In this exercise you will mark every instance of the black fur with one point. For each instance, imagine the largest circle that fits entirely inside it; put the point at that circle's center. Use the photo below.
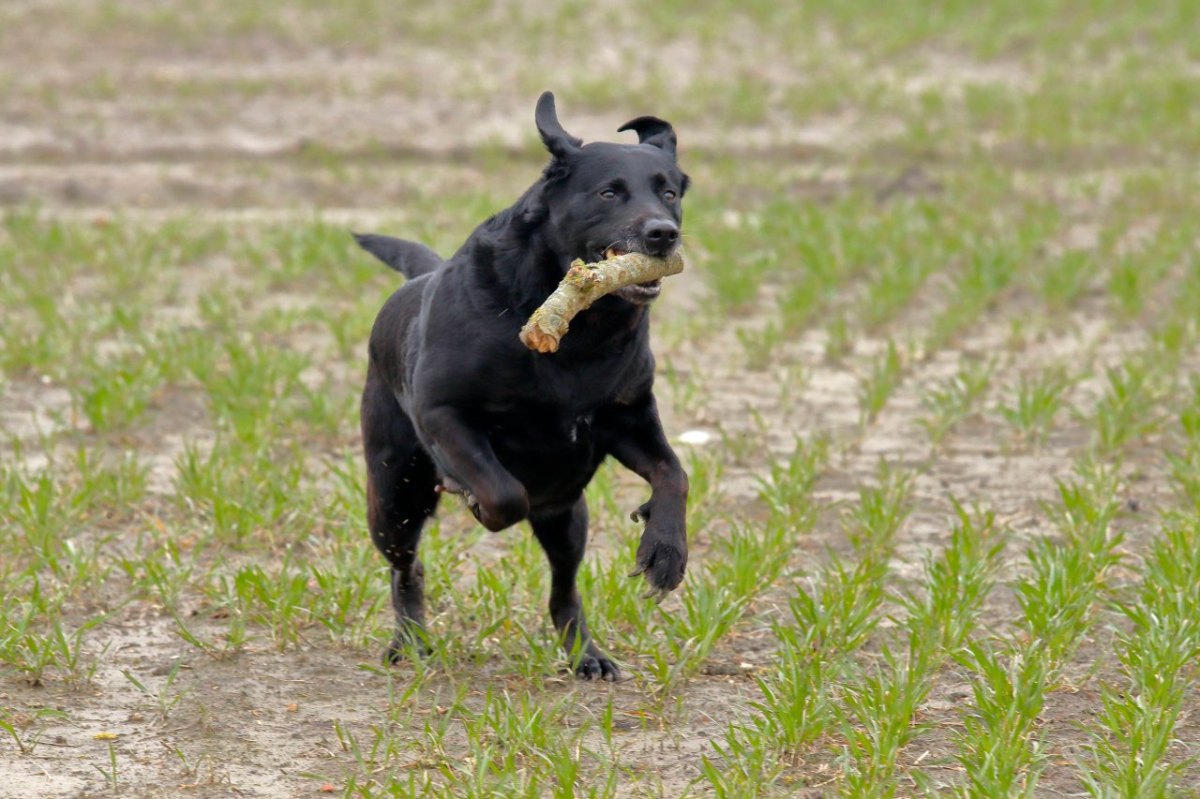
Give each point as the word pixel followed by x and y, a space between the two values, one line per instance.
pixel 454 402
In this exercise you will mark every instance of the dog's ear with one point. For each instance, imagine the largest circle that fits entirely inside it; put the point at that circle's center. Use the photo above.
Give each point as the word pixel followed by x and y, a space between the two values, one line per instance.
pixel 653 131
pixel 560 143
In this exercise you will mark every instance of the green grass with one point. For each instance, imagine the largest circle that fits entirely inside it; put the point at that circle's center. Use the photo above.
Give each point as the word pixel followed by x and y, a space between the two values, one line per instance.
pixel 999 748
pixel 1035 403
pixel 250 486
pixel 949 402
pixel 877 385
pixel 1064 280
pixel 942 322
pixel 956 584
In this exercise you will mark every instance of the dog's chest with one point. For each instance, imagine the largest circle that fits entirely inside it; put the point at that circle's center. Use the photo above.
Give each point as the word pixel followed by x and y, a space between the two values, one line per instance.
pixel 542 428
pixel 546 420
pixel 576 390
pixel 582 422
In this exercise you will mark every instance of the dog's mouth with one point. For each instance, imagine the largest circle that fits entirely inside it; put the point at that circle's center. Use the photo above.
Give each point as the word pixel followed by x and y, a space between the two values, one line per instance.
pixel 640 293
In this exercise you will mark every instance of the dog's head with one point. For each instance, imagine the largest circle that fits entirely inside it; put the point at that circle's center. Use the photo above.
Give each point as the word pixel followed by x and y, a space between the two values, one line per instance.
pixel 603 199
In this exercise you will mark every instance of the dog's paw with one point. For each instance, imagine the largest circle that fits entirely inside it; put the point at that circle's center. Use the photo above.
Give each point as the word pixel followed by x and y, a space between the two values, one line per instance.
pixel 597 667
pixel 663 562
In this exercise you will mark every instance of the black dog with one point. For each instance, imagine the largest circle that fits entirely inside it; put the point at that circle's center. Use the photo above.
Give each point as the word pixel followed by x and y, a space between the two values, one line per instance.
pixel 454 402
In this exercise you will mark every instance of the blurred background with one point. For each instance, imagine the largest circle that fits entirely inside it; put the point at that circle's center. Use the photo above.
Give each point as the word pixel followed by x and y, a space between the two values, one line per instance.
pixel 371 104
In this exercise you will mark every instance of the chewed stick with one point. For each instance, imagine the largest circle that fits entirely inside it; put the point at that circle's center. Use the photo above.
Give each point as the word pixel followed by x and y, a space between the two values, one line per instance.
pixel 583 285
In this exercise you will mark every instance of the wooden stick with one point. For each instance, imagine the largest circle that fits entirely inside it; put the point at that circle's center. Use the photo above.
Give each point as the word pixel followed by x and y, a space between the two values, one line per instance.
pixel 583 285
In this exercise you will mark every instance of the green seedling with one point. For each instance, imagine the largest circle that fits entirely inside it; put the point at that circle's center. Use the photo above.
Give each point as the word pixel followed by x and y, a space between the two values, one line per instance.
pixel 796 707
pixel 744 446
pixel 893 288
pixel 242 489
pixel 110 774
pixel 1189 416
pixel 909 238
pixel 107 486
pixel 36 638
pixel 684 388
pixel 881 510
pixel 787 488
pixel 46 507
pixel 1126 412
pixel 163 576
pixel 1131 753
pixel 247 393
pixel 743 769
pixel 877 386
pixel 988 272
pixel 1059 596
pixel 877 719
pixel 798 304
pixel 37 507
pixel 949 402
pixel 838 339
pixel 278 601
pixel 13 724
pixel 164 698
pixel 956 584
pixel 283 255
pixel 1058 599
pixel 1086 507
pixel 1000 747
pixel 751 560
pixel 618 615
pixel 1174 338
pixel 736 279
pixel 829 624
pixel 516 745
pixel 193 766
pixel 1065 279
pixel 117 394
pixel 1185 475
pixel 706 492
pixel 709 611
pixel 762 345
pixel 790 381
pixel 1036 403
pixel 378 755
pixel 1129 282
pixel 1131 756
pixel 346 596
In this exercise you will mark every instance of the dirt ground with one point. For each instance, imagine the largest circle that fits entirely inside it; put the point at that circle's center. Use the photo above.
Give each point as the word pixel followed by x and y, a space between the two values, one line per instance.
pixel 144 120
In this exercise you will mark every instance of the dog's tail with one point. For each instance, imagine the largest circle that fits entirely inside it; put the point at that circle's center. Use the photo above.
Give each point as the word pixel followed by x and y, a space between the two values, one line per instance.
pixel 407 257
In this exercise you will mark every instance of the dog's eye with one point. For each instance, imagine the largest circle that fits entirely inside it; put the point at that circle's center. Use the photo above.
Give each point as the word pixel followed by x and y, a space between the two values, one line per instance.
pixel 669 195
pixel 607 194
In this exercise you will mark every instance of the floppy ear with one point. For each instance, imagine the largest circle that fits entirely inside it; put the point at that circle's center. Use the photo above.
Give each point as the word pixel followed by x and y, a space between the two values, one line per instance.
pixel 652 131
pixel 560 143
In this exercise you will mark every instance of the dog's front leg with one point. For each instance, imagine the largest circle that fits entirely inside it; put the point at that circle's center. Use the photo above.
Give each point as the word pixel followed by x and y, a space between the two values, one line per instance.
pixel 465 456
pixel 642 447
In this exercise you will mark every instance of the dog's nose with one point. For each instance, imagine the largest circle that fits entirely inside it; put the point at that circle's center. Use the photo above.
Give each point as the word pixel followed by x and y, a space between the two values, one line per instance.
pixel 660 235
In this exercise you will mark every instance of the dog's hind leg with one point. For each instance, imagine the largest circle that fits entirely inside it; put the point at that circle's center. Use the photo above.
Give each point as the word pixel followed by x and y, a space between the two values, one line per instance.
pixel 563 534
pixel 401 495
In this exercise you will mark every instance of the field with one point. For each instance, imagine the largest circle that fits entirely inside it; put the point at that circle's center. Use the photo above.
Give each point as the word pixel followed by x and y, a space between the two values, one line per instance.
pixel 940 326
